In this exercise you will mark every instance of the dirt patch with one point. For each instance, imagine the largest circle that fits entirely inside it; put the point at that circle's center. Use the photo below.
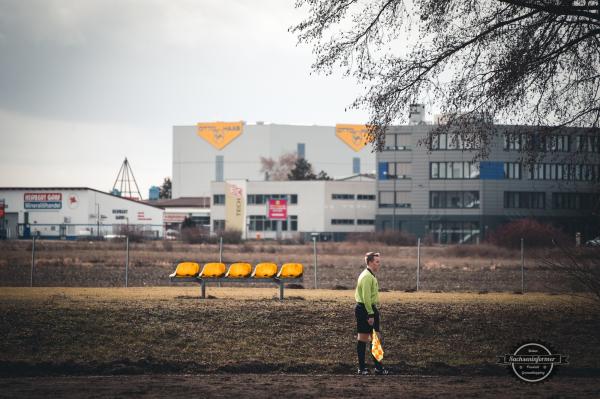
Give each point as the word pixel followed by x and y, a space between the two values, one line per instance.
pixel 255 386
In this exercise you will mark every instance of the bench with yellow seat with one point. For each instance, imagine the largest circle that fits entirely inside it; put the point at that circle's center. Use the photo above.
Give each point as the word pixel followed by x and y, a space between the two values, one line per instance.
pixel 239 272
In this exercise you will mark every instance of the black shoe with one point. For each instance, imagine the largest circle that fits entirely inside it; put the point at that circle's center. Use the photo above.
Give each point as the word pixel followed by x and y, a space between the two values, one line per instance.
pixel 363 372
pixel 382 371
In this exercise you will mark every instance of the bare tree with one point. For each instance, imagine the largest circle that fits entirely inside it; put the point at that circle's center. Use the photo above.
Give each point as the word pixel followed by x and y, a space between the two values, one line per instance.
pixel 581 267
pixel 531 62
pixel 278 170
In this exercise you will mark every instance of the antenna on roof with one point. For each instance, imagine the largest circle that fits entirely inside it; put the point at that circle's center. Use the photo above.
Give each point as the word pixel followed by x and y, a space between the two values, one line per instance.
pixel 122 186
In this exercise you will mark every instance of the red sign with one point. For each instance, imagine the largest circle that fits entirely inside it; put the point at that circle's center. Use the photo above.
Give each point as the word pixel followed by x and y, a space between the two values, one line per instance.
pixel 278 209
pixel 1 209
pixel 42 197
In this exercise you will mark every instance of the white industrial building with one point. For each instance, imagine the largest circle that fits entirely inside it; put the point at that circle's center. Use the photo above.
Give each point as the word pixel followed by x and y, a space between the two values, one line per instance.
pixel 330 208
pixel 222 151
pixel 73 212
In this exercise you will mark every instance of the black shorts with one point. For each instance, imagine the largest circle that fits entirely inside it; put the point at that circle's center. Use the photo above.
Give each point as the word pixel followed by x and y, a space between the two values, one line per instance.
pixel 362 324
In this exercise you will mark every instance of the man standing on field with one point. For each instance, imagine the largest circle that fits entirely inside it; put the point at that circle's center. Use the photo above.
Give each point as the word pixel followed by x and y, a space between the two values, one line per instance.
pixel 367 315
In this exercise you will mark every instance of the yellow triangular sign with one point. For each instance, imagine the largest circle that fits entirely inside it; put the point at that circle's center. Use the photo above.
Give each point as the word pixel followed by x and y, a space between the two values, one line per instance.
pixel 219 134
pixel 376 348
pixel 355 136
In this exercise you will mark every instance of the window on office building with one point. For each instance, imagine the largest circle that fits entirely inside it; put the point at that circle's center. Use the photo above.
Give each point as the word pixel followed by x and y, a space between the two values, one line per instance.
pixel 365 197
pixel 259 199
pixel 512 170
pixel 397 142
pixel 588 143
pixel 453 170
pixel 575 201
pixel 558 143
pixel 342 196
pixel 399 199
pixel 454 199
pixel 219 199
pixel 557 171
pixel 524 200
pixel 399 170
pixel 445 141
pixel 454 232
pixel 342 221
pixel 365 222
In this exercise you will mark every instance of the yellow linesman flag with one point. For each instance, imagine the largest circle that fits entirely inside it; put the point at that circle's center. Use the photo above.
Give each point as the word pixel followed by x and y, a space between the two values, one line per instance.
pixel 376 348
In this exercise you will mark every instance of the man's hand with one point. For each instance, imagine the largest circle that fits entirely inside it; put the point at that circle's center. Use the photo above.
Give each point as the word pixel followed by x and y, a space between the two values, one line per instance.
pixel 371 321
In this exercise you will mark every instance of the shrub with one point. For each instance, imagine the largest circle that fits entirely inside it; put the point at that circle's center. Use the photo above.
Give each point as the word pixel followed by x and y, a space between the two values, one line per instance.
pixel 232 236
pixel 482 251
pixel 534 233
pixel 194 235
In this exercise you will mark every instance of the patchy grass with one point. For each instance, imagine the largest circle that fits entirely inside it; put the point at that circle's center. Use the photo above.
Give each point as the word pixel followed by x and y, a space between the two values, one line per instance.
pixel 99 330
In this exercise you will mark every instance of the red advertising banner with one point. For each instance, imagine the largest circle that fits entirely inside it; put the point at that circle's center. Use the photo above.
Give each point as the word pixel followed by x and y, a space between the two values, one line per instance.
pixel 278 209
pixel 1 209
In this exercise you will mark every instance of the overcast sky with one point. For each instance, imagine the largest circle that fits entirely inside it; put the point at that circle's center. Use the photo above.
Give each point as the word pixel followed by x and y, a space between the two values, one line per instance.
pixel 86 83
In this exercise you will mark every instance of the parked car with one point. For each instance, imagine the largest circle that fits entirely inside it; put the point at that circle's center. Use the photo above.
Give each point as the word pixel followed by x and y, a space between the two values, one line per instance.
pixel 171 235
pixel 593 243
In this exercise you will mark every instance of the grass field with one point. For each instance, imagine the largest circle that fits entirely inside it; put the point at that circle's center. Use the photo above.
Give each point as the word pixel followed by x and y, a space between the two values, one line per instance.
pixel 139 330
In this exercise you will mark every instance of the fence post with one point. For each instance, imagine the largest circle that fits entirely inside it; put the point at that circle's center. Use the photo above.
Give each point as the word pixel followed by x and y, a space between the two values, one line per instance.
pixel 127 261
pixel 32 262
pixel 522 266
pixel 220 256
pixel 418 260
pixel 315 253
pixel 220 249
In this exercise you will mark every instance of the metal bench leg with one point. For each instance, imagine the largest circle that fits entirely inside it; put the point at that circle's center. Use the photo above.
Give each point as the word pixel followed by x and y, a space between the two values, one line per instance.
pixel 203 289
pixel 281 290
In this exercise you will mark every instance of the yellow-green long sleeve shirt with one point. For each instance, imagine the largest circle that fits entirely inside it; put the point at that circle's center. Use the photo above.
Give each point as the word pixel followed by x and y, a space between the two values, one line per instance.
pixel 367 290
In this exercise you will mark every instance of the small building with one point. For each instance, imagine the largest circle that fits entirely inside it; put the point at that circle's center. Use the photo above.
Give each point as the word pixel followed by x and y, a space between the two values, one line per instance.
pixel 74 212
pixel 197 209
pixel 295 209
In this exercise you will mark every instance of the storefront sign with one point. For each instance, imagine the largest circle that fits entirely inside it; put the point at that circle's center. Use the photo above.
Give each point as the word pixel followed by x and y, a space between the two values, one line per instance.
pixel 278 209
pixel 174 217
pixel 42 200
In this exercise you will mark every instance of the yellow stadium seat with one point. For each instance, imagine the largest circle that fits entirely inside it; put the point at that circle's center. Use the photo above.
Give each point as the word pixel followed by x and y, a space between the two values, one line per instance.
pixel 239 270
pixel 290 270
pixel 213 270
pixel 186 269
pixel 265 270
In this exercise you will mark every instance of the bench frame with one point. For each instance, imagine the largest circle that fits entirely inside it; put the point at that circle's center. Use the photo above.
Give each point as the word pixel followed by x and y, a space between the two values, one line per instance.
pixel 203 281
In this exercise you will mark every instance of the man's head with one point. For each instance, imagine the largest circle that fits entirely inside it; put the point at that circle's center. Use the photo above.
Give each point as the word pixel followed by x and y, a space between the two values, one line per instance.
pixel 372 261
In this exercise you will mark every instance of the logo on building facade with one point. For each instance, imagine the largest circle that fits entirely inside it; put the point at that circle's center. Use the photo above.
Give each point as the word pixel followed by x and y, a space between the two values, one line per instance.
pixel 355 136
pixel 73 201
pixel 219 134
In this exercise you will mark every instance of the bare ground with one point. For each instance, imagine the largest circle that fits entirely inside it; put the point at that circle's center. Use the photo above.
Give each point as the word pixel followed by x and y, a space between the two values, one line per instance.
pixel 293 386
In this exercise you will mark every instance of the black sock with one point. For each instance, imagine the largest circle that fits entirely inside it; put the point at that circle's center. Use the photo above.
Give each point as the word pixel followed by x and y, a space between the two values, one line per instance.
pixel 360 350
pixel 378 365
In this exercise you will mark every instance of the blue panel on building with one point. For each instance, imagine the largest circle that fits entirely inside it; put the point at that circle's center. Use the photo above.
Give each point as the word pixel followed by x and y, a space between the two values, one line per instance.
pixel 382 171
pixel 356 165
pixel 491 170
